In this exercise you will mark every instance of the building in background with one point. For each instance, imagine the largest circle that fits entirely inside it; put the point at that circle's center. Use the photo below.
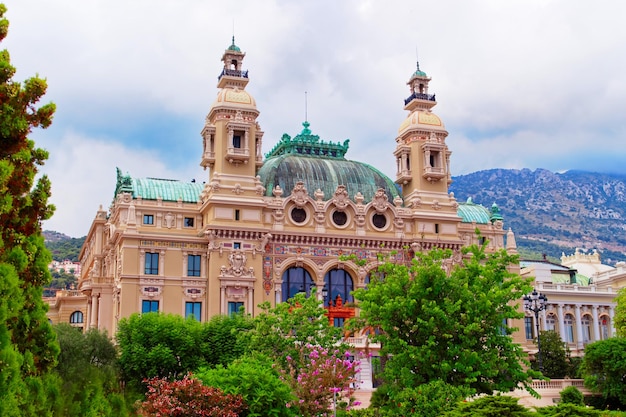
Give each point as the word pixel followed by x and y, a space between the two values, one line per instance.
pixel 581 292
pixel 264 228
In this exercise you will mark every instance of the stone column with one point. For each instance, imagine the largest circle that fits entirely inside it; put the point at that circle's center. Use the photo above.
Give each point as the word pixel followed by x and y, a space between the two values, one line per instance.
pixel 596 323
pixel 223 300
pixel 561 322
pixel 579 328
pixel 94 311
pixel 612 316
pixel 250 299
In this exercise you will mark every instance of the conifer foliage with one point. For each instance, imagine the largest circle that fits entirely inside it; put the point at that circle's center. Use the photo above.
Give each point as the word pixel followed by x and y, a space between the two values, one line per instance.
pixel 27 343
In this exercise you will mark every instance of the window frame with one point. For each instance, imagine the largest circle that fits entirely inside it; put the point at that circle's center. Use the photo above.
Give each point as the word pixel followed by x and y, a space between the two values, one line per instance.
pixel 150 306
pixel 149 267
pixel 192 313
pixel 149 217
pixel 194 265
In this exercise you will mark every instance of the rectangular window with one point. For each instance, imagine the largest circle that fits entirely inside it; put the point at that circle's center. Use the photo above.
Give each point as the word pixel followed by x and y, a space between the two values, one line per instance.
pixel 237 141
pixel 193 310
pixel 233 307
pixel 338 321
pixel 152 264
pixel 236 245
pixel 188 222
pixel 148 219
pixel 237 215
pixel 149 306
pixel 193 265
pixel 437 228
pixel 528 326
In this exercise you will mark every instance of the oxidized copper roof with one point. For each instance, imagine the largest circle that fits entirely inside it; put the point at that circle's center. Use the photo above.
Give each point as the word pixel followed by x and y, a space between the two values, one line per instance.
pixel 325 174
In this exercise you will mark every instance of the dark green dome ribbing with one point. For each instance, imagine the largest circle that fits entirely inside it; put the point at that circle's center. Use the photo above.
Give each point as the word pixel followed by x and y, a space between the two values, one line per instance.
pixel 320 165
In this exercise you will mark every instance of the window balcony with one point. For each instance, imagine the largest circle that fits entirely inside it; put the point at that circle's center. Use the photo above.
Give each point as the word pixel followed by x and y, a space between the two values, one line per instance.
pixel 233 73
pixel 434 173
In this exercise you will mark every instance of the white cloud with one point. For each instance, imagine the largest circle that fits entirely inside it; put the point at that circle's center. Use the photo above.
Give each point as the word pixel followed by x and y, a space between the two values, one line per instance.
pixel 532 83
pixel 83 176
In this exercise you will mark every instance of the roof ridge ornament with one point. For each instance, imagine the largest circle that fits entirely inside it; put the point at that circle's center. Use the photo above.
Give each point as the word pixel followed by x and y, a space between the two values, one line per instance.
pixel 306 143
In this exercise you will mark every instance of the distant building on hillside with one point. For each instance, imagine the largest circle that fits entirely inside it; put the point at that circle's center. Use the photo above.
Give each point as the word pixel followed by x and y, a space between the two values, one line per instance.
pixel 66 266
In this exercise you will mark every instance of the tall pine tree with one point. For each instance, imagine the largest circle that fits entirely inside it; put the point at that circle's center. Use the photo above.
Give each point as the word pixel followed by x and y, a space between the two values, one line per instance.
pixel 28 346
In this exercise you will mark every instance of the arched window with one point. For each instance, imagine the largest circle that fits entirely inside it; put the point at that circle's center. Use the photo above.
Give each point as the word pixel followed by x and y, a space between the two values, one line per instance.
pixel 604 327
pixel 338 282
pixel 569 328
pixel 551 322
pixel 296 280
pixel 586 321
pixel 76 317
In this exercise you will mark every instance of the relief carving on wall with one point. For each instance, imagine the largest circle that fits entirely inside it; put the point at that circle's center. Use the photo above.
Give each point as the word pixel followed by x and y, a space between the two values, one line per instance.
pixel 299 194
pixel 380 200
pixel 237 260
pixel 340 198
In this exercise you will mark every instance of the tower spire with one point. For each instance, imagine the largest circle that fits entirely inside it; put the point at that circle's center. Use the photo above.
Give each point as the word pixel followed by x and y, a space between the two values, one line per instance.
pixel 306 117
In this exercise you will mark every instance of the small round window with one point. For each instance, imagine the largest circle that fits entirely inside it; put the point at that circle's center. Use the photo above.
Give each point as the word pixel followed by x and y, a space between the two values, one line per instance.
pixel 298 215
pixel 340 218
pixel 379 221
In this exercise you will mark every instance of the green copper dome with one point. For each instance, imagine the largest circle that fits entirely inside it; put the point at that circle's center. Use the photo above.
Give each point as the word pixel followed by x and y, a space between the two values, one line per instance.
pixel 470 212
pixel 320 165
pixel 418 72
pixel 233 47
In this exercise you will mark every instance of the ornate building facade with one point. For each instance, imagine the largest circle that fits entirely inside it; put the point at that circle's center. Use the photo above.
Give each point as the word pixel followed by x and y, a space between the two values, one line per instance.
pixel 581 292
pixel 264 228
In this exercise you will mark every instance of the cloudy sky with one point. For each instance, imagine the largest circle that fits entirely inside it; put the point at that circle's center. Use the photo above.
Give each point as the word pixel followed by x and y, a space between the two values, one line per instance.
pixel 519 83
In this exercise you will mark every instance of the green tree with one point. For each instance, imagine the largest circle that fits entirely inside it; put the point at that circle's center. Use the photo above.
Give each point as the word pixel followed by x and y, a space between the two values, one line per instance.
pixel 226 337
pixel 555 356
pixel 449 328
pixel 27 344
pixel 572 395
pixel 89 373
pixel 279 332
pixel 604 367
pixel 490 406
pixel 568 410
pixel 620 313
pixel 159 345
pixel 427 400
pixel 257 381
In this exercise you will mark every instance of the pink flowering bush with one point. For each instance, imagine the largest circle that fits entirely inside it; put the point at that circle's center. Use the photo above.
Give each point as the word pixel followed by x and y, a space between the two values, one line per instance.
pixel 319 377
pixel 188 397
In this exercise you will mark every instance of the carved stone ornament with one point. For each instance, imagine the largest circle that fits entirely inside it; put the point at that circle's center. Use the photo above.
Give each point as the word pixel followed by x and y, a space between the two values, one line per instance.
pixel 169 220
pixel 358 198
pixel 319 195
pixel 380 200
pixel 340 199
pixel 398 201
pixel 258 186
pixel 237 260
pixel 238 190
pixel 299 194
pixel 277 191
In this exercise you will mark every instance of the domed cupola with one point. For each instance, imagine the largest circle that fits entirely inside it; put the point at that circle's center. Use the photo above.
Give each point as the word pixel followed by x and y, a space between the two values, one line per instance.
pixel 320 165
pixel 422 156
pixel 232 136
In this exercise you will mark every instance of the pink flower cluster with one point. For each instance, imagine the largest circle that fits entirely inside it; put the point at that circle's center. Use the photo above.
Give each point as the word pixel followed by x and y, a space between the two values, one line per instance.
pixel 321 377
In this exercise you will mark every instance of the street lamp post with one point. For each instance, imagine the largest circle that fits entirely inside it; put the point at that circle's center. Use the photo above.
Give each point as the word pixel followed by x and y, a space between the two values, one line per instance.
pixel 536 302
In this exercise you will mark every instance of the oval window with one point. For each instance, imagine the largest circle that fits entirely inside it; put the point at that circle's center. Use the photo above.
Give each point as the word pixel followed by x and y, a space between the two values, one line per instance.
pixel 298 215
pixel 379 221
pixel 340 218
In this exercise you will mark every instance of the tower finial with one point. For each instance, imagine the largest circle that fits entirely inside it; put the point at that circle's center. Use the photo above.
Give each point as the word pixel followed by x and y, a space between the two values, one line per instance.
pixel 417 58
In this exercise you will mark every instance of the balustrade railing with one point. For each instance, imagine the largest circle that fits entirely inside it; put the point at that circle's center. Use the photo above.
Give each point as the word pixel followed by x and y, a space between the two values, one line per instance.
pixel 419 96
pixel 233 73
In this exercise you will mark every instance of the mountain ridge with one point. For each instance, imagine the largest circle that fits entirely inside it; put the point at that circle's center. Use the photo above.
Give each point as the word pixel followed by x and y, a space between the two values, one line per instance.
pixel 568 210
